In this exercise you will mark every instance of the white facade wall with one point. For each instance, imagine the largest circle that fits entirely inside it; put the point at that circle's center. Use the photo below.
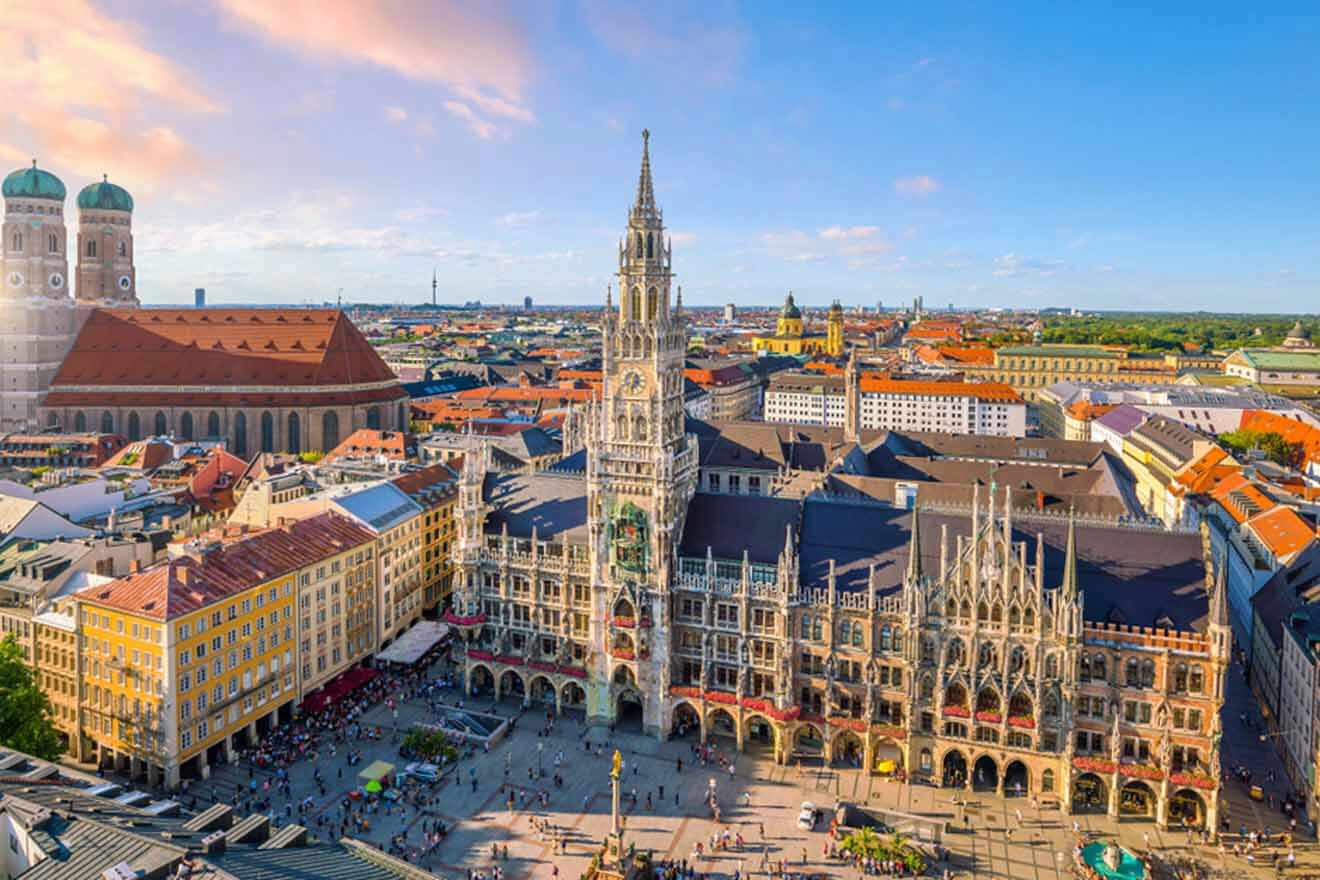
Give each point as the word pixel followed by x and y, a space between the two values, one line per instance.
pixel 956 414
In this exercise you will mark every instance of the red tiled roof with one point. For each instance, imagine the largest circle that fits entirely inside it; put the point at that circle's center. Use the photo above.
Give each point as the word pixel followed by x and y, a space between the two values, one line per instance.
pixel 1292 430
pixel 220 348
pixel 1282 530
pixel 184 585
pixel 432 477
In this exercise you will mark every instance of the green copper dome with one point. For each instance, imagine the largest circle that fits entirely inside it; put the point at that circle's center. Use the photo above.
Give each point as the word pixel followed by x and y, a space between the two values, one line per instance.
pixel 33 183
pixel 790 309
pixel 105 196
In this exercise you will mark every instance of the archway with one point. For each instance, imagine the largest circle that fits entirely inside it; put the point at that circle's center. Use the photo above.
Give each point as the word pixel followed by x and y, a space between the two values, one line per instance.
pixel 1135 798
pixel 687 723
pixel 758 734
pixel 847 750
pixel 628 713
pixel 542 691
pixel 886 757
pixel 480 680
pixel 1187 808
pixel 720 723
pixel 1090 794
pixel 985 774
pixel 954 769
pixel 1017 779
pixel 808 743
pixel 511 686
pixel 573 696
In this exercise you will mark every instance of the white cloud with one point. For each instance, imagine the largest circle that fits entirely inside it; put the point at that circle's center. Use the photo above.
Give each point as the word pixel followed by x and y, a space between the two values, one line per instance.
pixel 840 232
pixel 1011 265
pixel 475 50
pixel 922 185
pixel 484 130
pixel 84 94
pixel 682 237
pixel 396 114
pixel 520 219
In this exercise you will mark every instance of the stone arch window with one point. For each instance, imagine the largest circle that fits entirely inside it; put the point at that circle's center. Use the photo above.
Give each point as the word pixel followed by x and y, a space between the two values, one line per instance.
pixel 1017 661
pixel 886 638
pixel 107 423
pixel 294 443
pixel 982 612
pixel 330 430
pixel 91 248
pixel 652 301
pixel 635 304
pixel 952 610
pixel 1047 780
pixel 1028 617
pixel 639 428
pixel 1050 705
pixel 621 427
pixel 641 245
pixel 966 611
pixel 267 432
pixel 1014 617
pixel 927 689
pixel 80 421
pixel 373 418
pixel 806 626
pixel 123 249
pixel 955 695
pixel 240 434
pixel 1132 673
pixel 845 630
pixel 997 613
pixel 1098 670
pixel 186 426
pixel 650 245
pixel 54 243
pixel 1148 673
pixel 213 424
pixel 162 424
pixel 1084 667
pixel 1020 706
pixel 927 649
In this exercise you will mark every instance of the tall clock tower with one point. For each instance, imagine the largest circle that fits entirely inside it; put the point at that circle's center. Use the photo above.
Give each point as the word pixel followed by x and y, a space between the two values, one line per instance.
pixel 641 471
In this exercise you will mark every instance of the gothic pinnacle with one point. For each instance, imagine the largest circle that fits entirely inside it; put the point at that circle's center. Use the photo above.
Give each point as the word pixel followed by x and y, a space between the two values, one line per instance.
pixel 645 193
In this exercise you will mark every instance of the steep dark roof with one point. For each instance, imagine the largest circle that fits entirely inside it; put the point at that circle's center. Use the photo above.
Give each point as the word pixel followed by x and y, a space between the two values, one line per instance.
pixel 1131 576
pixel 553 503
pixel 729 524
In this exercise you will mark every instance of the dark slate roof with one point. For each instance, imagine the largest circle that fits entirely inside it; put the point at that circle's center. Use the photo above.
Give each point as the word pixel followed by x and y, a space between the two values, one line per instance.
pixel 440 385
pixel 1131 576
pixel 729 524
pixel 318 861
pixel 554 503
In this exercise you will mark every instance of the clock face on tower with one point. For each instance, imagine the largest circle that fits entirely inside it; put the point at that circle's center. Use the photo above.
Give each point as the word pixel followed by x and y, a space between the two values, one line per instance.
pixel 125 282
pixel 633 382
pixel 56 280
pixel 15 279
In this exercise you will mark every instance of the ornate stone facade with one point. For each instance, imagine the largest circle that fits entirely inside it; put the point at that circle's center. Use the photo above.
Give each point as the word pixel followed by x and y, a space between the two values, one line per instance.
pixel 1083 662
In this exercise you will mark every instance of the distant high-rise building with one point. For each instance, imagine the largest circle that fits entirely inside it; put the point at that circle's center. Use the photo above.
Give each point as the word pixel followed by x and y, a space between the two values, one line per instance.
pixel 527 303
pixel 199 297
pixel 730 313
pixel 879 307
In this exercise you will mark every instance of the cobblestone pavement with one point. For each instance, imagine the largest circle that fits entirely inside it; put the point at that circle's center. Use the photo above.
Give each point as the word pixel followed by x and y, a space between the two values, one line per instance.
pixel 760 800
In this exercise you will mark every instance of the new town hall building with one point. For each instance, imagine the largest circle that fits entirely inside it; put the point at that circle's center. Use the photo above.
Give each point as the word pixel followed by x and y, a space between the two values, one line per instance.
pixel 990 644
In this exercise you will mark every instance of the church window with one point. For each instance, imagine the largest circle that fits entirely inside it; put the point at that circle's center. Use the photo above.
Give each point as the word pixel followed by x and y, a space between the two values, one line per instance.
pixel 857 636
pixel 213 424
pixel 161 429
pixel 134 427
pixel 329 431
pixel 650 245
pixel 294 443
pixel 373 418
pixel 267 432
pixel 635 304
pixel 54 244
pixel 91 247
pixel 123 249
pixel 651 299
pixel 17 243
pixel 80 421
pixel 107 423
pixel 806 626
pixel 186 426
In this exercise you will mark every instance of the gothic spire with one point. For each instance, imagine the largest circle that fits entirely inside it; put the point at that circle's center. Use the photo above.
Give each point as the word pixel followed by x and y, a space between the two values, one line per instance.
pixel 914 551
pixel 1219 601
pixel 1070 559
pixel 645 193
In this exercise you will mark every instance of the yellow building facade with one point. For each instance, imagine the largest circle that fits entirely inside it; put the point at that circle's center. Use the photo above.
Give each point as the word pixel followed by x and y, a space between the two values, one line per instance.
pixel 187 662
pixel 1029 368
pixel 791 337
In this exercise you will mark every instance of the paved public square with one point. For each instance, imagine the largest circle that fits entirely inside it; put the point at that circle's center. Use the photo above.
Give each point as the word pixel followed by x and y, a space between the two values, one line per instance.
pixel 992 837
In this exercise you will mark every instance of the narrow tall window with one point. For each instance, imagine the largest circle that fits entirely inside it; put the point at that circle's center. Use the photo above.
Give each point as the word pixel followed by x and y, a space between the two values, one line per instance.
pixel 91 248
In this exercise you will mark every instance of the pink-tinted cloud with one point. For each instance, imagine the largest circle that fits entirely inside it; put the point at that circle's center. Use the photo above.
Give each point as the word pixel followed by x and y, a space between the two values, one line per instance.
pixel 473 49
pixel 89 97
pixel 483 129
pixel 840 233
pixel 922 185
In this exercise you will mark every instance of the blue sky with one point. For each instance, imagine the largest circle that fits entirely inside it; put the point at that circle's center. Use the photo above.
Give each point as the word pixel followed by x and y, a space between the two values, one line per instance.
pixel 279 150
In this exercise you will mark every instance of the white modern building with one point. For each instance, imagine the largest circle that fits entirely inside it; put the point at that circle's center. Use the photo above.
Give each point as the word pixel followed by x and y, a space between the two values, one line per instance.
pixel 898 404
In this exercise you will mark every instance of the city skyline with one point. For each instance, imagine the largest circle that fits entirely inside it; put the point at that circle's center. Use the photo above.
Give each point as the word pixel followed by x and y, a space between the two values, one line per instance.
pixel 956 157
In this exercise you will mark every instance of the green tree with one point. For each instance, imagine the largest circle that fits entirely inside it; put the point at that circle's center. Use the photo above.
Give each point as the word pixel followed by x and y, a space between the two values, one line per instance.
pixel 863 842
pixel 25 713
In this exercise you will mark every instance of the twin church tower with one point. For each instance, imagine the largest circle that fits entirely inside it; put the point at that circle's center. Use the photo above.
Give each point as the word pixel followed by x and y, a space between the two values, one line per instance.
pixel 39 315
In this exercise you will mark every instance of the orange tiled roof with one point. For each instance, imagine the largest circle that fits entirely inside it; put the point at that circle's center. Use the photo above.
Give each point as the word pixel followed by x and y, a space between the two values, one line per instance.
pixel 1292 430
pixel 187 584
pixel 968 355
pixel 1084 410
pixel 147 455
pixel 394 445
pixel 1241 497
pixel 1203 473
pixel 1282 531
pixel 219 348
pixel 989 391
pixel 433 476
